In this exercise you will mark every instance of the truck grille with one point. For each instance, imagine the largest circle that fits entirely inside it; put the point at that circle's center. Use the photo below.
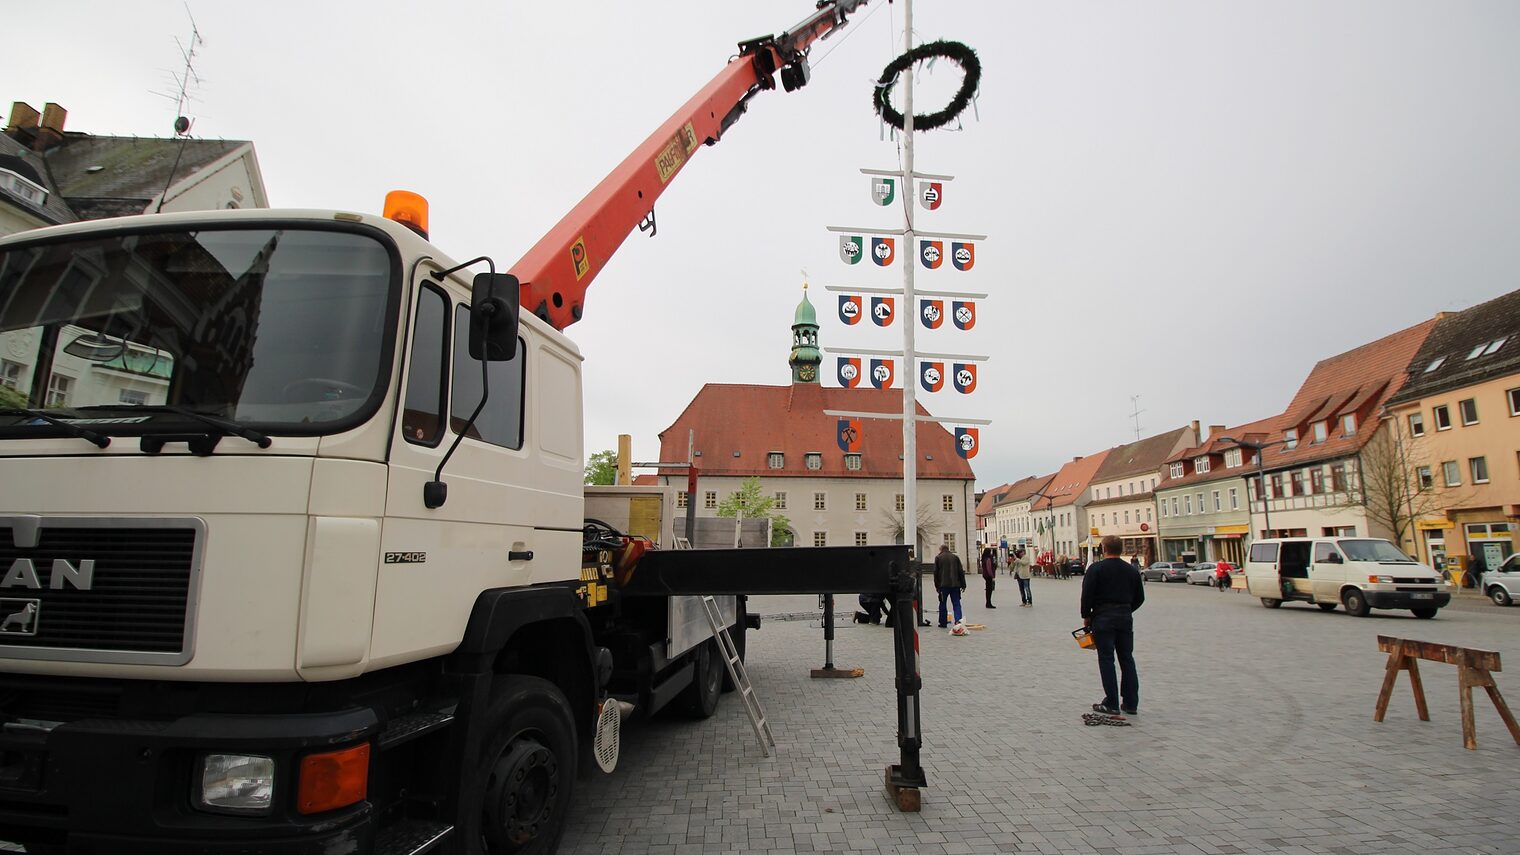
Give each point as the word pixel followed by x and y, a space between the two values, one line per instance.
pixel 139 603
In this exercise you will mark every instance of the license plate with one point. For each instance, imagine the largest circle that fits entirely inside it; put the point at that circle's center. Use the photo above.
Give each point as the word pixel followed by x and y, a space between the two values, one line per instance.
pixel 1424 596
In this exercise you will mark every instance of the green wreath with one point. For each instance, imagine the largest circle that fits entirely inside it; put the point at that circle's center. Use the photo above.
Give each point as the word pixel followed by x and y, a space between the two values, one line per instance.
pixel 957 53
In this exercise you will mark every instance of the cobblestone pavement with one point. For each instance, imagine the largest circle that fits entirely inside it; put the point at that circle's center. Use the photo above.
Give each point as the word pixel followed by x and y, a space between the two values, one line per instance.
pixel 1255 736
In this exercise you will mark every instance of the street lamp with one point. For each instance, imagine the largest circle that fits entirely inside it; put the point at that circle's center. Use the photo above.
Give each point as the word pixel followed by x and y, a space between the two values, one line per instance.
pixel 1051 497
pixel 1261 478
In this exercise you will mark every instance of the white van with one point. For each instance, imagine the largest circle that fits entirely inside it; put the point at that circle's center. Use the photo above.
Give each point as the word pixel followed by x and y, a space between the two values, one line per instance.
pixel 1502 585
pixel 1361 573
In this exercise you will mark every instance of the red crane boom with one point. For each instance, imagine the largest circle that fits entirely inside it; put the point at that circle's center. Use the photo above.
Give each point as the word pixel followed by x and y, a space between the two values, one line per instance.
pixel 554 274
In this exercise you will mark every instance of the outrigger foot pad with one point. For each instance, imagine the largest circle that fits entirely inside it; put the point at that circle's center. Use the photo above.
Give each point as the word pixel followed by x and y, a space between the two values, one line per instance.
pixel 904 793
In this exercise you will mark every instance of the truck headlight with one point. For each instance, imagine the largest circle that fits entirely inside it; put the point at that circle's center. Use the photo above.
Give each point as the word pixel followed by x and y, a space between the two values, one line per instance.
pixel 236 783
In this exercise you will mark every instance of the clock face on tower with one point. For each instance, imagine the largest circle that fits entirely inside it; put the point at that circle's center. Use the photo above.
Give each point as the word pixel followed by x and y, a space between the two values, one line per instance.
pixel 807 372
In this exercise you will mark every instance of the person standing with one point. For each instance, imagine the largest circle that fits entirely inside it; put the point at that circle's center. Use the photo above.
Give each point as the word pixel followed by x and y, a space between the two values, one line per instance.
pixel 950 581
pixel 1018 566
pixel 989 573
pixel 1111 592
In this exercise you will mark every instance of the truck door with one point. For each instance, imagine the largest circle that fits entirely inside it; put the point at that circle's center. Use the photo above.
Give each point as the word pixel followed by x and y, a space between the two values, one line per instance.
pixel 1327 573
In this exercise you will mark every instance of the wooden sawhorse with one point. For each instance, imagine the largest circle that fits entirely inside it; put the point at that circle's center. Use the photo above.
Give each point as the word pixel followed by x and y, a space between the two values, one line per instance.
pixel 1474 669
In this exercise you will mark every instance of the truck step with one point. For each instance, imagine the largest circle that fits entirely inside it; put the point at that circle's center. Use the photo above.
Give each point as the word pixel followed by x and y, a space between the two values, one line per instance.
pixel 412 725
pixel 412 837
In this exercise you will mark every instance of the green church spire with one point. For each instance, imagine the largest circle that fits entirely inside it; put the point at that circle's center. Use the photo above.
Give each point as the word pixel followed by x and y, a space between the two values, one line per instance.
pixel 805 357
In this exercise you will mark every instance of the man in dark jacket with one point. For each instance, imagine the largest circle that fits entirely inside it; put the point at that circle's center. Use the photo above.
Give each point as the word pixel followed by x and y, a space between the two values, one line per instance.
pixel 950 580
pixel 1111 592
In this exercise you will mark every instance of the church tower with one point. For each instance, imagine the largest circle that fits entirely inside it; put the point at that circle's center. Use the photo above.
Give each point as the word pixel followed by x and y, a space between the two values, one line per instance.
pixel 805 357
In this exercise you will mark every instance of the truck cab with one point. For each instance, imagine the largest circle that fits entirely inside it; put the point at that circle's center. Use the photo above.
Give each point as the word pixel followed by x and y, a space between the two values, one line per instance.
pixel 1360 573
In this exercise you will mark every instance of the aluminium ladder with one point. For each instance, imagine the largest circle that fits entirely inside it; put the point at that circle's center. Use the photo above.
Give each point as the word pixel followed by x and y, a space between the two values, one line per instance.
pixel 740 676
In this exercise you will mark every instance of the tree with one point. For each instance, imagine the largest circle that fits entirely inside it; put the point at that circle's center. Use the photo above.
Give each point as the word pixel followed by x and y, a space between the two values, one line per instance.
pixel 601 467
pixel 11 398
pixel 928 527
pixel 1392 488
pixel 754 506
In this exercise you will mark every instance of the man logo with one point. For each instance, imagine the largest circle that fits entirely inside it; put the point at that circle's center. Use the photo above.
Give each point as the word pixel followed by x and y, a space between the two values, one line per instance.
pixel 882 251
pixel 933 376
pixel 20 616
pixel 932 312
pixel 965 378
pixel 965 314
pixel 849 248
pixel 931 253
pixel 849 372
pixel 881 373
pixel 883 309
pixel 967 441
pixel 849 310
pixel 963 255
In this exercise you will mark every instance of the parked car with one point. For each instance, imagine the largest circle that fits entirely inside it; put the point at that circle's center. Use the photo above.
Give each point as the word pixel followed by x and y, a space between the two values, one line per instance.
pixel 1165 571
pixel 1502 585
pixel 1075 567
pixel 1207 573
pixel 1360 573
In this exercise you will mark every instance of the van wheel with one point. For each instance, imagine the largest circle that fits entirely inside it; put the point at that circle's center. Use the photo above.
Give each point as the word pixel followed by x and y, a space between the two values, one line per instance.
pixel 1499 596
pixel 1356 603
pixel 1271 603
pixel 700 699
pixel 1424 614
pixel 517 796
pixel 1328 607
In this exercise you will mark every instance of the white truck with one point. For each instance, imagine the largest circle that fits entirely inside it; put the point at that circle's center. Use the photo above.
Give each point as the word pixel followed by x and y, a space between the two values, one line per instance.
pixel 292 537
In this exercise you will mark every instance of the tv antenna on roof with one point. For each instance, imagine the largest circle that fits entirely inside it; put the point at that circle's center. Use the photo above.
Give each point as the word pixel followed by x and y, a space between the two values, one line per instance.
pixel 1135 401
pixel 181 99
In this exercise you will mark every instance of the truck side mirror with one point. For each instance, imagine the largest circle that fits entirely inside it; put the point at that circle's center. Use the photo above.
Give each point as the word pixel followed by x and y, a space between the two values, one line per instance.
pixel 494 311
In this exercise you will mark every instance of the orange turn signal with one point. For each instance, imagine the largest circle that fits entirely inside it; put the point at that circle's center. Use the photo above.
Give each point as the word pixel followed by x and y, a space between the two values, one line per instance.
pixel 409 209
pixel 333 780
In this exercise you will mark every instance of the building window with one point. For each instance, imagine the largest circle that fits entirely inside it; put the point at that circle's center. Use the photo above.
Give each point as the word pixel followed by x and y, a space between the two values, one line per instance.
pixel 860 538
pixel 949 540
pixel 780 503
pixel 1321 431
pixel 899 502
pixel 1174 507
pixel 132 396
pixel 1434 364
pixel 1290 438
pixel 10 374
pixel 852 462
pixel 860 501
pixel 1427 480
pixel 681 498
pixel 1297 478
pixel 1147 513
pixel 947 502
pixel 1126 516
pixel 1232 458
pixel 1234 499
pixel 1176 470
pixel 1218 506
pixel 1187 505
pixel 1201 464
pixel 1451 473
pixel 1514 401
pixel 1442 417
pixel 1469 409
pixel 1478 466
pixel 776 460
pixel 1276 489
pixel 814 459
pixel 1317 479
pixel 58 390
pixel 1163 508
pixel 1416 424
pixel 710 499
pixel 1201 508
pixel 1348 424
pixel 820 538
pixel 820 501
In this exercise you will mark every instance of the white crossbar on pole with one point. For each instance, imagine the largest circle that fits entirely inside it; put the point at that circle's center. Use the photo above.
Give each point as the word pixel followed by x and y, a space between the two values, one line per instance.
pixel 845 289
pixel 908 232
pixel 895 173
pixel 960 357
pixel 852 414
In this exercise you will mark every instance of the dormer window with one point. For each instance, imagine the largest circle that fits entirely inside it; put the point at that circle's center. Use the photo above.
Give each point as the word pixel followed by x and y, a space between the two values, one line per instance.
pixel 1232 458
pixel 1348 424
pixel 1434 364
pixel 1176 470
pixel 1290 438
pixel 852 462
pixel 1201 464
pixel 1321 431
pixel 776 460
pixel 1494 345
pixel 814 459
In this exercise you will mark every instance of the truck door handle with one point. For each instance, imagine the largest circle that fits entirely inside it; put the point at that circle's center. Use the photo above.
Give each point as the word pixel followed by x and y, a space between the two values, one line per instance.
pixel 525 555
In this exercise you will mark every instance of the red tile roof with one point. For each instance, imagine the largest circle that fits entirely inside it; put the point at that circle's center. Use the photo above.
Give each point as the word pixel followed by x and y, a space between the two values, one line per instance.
pixel 757 420
pixel 989 500
pixel 1257 431
pixel 1024 488
pixel 1071 481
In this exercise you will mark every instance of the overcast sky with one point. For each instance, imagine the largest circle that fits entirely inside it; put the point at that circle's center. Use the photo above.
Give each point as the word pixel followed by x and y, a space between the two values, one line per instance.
pixel 1188 201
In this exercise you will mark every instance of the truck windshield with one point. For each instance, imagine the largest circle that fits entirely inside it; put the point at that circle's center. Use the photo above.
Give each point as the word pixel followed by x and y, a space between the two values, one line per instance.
pixel 282 328
pixel 1372 550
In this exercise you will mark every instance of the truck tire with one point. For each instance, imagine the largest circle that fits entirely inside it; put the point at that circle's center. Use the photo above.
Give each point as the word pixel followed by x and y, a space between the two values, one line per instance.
pixel 518 793
pixel 1425 613
pixel 1355 602
pixel 1328 607
pixel 1271 603
pixel 1499 596
pixel 700 699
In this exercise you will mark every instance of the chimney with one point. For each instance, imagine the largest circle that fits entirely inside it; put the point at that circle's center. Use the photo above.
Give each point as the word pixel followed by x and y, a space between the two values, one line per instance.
pixel 1215 430
pixel 51 131
pixel 1075 459
pixel 23 124
pixel 1197 440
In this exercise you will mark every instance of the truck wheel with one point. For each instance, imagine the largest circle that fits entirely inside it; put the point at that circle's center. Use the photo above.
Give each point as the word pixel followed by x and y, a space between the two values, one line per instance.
pixel 1271 603
pixel 1356 603
pixel 1424 614
pixel 700 699
pixel 1329 607
pixel 1499 596
pixel 518 794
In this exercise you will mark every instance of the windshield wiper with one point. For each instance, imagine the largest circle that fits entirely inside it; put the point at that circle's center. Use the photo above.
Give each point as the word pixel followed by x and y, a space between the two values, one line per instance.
pixel 99 440
pixel 223 426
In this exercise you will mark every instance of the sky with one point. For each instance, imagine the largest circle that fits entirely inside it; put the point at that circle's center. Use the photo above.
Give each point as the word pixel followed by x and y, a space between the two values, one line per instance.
pixel 1192 202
